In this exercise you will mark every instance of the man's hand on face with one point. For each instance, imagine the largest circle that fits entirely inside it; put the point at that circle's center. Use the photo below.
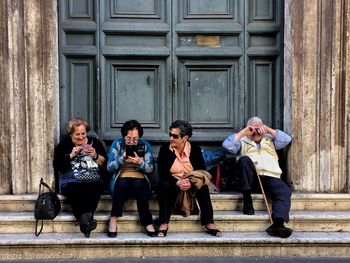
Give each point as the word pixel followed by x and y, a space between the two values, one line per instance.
pixel 249 130
pixel 262 129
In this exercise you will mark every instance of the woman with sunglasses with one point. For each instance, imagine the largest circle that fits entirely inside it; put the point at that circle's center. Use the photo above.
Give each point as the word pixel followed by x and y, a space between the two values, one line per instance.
pixel 178 158
pixel 131 161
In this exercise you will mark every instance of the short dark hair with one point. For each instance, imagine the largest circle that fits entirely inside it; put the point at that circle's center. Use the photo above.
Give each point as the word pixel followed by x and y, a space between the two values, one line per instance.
pixel 131 125
pixel 184 126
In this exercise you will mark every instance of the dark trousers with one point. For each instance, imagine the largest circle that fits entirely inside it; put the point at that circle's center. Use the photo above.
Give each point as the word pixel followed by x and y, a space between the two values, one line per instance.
pixel 126 187
pixel 277 190
pixel 84 197
pixel 168 192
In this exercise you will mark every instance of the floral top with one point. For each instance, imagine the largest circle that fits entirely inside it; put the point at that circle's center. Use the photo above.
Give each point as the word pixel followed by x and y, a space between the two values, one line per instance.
pixel 115 161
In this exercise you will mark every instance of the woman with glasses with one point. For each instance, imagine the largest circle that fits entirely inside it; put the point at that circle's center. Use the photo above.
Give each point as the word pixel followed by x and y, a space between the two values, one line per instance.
pixel 176 160
pixel 131 161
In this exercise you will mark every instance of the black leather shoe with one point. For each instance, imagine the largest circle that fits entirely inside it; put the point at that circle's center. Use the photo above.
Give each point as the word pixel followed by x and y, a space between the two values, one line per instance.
pixel 87 224
pixel 90 227
pixel 281 231
pixel 112 234
pixel 248 209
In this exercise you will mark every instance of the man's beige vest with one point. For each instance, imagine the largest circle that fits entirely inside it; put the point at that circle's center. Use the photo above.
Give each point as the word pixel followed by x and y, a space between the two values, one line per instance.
pixel 265 158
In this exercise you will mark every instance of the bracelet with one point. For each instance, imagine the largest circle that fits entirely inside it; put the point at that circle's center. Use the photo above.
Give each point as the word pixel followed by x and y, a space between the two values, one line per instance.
pixel 95 158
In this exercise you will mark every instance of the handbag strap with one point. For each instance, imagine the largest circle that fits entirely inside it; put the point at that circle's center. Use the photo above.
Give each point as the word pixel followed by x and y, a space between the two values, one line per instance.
pixel 44 184
pixel 36 227
pixel 42 220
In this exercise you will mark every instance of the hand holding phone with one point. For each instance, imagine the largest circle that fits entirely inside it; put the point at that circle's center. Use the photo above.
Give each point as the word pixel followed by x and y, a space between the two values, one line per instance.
pixel 87 148
pixel 130 150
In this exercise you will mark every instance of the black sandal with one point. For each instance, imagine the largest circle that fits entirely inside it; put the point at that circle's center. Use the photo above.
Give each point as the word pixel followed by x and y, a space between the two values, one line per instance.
pixel 162 233
pixel 213 232
pixel 151 233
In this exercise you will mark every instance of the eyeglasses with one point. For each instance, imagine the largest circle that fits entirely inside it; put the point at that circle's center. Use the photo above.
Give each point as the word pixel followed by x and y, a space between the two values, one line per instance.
pixel 175 136
pixel 129 139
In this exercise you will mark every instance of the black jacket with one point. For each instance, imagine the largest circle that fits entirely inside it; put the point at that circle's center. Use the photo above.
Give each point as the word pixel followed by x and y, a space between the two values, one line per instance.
pixel 166 158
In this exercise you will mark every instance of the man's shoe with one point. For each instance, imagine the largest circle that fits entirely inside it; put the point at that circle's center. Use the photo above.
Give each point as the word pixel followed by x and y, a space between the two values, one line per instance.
pixel 248 209
pixel 281 231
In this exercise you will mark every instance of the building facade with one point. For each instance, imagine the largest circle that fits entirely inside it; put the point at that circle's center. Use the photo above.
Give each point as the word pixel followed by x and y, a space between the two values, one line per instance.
pixel 299 48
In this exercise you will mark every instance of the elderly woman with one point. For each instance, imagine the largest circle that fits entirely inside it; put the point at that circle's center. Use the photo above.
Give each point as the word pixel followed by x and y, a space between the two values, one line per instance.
pixel 79 161
pixel 131 161
pixel 176 160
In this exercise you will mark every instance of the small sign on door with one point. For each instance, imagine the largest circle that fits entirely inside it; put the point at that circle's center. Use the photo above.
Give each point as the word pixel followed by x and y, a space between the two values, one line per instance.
pixel 208 41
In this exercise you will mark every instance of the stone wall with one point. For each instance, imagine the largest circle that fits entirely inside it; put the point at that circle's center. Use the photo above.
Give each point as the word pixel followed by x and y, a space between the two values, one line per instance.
pixel 316 93
pixel 29 93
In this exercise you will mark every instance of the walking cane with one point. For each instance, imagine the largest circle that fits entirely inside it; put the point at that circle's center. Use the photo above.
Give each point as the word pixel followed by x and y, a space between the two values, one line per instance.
pixel 266 203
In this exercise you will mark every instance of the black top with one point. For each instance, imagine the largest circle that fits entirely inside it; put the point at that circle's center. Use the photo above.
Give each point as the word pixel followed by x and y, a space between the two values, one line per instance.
pixel 166 158
pixel 61 161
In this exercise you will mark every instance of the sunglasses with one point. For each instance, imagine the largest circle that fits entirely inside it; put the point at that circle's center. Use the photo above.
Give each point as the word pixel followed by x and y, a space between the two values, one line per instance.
pixel 175 136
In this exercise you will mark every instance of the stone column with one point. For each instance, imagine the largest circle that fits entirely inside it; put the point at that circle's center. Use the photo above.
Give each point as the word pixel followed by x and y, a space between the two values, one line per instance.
pixel 29 93
pixel 346 80
pixel 316 64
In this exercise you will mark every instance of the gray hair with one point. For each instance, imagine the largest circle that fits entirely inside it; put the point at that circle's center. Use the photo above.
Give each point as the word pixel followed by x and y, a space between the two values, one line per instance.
pixel 254 120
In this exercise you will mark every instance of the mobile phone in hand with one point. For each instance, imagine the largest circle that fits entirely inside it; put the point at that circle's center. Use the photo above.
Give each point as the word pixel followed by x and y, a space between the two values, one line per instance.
pixel 130 149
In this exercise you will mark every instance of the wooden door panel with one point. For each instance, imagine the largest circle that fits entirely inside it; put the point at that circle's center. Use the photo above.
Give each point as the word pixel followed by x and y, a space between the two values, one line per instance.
pixel 208 93
pixel 262 91
pixel 264 51
pixel 227 51
pixel 78 52
pixel 208 52
pixel 135 64
pixel 135 90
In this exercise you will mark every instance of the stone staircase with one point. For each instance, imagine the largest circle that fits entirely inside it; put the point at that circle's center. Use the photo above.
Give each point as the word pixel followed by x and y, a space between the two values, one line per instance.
pixel 321 224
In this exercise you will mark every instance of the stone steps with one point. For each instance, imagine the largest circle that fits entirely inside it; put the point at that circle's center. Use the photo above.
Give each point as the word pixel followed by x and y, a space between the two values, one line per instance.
pixel 221 202
pixel 190 244
pixel 330 221
pixel 321 224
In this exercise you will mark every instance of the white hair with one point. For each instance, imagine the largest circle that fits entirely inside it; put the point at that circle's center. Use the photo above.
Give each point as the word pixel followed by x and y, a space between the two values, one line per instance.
pixel 254 120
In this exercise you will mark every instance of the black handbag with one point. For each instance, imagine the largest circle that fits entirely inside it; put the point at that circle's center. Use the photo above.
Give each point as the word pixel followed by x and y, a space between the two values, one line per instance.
pixel 47 206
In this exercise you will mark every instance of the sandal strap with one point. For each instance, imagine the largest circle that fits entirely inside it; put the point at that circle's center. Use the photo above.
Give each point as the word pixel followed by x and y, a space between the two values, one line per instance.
pixel 214 232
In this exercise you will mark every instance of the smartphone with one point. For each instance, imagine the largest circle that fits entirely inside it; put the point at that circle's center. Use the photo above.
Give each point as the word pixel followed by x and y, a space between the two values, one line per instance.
pixel 87 146
pixel 130 149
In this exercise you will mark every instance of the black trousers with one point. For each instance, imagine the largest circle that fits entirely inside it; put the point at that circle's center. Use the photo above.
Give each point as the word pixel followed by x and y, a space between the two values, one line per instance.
pixel 125 188
pixel 168 192
pixel 277 190
pixel 84 197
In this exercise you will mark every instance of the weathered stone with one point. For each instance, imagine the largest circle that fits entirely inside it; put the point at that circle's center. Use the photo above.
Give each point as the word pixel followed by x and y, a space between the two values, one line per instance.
pixel 316 94
pixel 315 38
pixel 30 86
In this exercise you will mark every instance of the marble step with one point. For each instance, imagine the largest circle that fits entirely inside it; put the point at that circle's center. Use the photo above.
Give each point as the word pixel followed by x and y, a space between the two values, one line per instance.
pixel 190 244
pixel 222 202
pixel 324 221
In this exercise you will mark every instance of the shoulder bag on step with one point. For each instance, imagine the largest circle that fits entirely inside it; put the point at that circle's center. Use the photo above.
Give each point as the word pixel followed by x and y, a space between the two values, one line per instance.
pixel 47 206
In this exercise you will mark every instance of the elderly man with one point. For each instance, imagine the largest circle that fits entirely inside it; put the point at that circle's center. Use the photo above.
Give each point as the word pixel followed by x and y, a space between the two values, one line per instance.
pixel 257 144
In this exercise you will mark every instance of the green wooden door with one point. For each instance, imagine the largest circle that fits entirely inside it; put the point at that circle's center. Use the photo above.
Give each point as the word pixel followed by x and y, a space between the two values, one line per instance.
pixel 212 62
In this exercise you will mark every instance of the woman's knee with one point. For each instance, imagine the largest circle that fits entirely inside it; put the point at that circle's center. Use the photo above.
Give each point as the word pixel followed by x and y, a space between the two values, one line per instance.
pixel 121 183
pixel 140 185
